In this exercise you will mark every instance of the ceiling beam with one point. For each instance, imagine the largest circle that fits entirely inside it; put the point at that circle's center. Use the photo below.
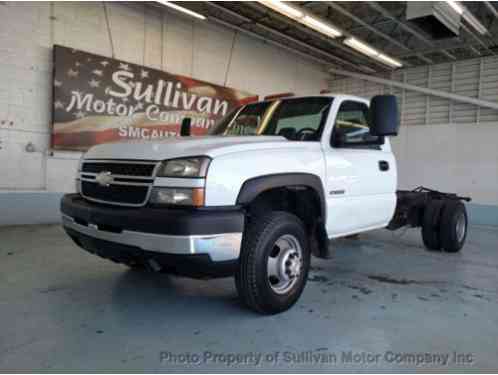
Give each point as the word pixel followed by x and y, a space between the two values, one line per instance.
pixel 479 40
pixel 366 25
pixel 424 59
pixel 423 90
pixel 306 45
pixel 269 41
pixel 473 32
pixel 447 54
pixel 373 24
pixel 430 51
pixel 337 44
pixel 491 8
pixel 377 7
pixel 475 50
pixel 277 33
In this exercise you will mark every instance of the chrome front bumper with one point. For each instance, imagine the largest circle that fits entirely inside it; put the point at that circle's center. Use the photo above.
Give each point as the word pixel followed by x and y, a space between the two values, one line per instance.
pixel 220 247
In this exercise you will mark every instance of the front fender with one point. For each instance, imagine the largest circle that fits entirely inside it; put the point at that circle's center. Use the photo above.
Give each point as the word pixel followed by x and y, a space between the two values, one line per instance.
pixel 228 173
pixel 255 186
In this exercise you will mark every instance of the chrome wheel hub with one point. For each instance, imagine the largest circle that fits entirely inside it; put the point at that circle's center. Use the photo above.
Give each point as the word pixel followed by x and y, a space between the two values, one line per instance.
pixel 285 264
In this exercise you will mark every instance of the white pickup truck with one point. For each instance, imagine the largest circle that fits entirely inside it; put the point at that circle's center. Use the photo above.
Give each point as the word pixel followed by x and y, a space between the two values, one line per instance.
pixel 270 185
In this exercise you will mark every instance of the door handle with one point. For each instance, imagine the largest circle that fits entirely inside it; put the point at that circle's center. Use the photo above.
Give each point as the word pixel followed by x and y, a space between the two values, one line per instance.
pixel 383 165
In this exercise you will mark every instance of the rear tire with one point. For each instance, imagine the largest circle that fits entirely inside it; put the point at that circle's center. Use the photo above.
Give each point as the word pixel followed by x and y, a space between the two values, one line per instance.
pixel 274 262
pixel 453 226
pixel 430 225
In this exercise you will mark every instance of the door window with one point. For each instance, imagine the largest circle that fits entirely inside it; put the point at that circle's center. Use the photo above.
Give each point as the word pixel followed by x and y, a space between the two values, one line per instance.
pixel 300 119
pixel 351 127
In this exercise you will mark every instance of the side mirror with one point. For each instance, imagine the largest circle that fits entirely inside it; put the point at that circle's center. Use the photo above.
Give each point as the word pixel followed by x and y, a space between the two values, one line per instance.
pixel 185 127
pixel 383 115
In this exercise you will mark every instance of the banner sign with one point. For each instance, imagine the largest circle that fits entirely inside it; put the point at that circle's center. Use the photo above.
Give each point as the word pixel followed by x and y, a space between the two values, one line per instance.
pixel 97 99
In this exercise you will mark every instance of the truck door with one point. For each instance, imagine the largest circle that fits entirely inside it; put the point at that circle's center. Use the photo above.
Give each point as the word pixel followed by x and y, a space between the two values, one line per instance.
pixel 360 174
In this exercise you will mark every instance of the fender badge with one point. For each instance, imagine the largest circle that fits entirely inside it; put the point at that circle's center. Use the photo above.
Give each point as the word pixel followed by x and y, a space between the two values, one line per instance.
pixel 337 192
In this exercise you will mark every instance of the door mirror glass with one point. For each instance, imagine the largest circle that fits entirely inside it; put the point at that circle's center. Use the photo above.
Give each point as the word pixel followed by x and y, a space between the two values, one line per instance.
pixel 383 115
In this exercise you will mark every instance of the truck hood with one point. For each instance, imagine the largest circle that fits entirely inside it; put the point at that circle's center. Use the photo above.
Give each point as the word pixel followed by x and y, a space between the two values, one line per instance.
pixel 176 147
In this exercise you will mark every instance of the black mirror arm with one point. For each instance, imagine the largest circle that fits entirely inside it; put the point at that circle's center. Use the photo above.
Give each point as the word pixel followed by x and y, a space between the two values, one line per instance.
pixel 338 139
pixel 185 127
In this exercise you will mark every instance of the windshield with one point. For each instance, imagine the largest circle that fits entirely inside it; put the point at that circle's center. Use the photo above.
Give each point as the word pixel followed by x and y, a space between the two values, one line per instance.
pixel 297 119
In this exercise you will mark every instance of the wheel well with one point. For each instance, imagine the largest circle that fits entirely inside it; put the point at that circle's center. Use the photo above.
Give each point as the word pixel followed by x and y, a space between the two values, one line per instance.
pixel 302 201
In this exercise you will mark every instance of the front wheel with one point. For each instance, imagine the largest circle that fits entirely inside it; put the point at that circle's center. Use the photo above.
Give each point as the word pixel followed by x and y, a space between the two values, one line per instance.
pixel 274 262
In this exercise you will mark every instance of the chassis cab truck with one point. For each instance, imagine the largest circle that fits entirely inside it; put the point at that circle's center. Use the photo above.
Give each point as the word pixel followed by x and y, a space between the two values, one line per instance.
pixel 269 186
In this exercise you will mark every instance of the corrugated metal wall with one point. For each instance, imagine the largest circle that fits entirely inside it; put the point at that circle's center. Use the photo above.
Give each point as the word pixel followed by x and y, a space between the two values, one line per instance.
pixel 476 78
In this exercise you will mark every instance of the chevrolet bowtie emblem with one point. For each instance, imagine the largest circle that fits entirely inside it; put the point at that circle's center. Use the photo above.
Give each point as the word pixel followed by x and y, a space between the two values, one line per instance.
pixel 104 178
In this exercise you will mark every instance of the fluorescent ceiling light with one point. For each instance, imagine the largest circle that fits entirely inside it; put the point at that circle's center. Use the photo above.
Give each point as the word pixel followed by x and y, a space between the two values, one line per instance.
pixel 302 17
pixel 182 9
pixel 467 16
pixel 371 52
pixel 321 27
pixel 389 60
pixel 325 28
pixel 283 8
pixel 361 47
pixel 455 6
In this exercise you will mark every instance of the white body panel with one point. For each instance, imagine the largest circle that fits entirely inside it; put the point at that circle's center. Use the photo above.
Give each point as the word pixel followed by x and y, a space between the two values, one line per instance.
pixel 369 196
pixel 359 195
pixel 177 147
pixel 227 173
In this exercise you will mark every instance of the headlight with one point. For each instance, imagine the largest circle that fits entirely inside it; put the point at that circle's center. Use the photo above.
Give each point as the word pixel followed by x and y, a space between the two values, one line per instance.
pixel 178 196
pixel 188 167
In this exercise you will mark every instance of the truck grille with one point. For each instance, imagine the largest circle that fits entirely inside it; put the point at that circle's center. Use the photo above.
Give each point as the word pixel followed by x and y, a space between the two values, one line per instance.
pixel 120 168
pixel 117 182
pixel 114 193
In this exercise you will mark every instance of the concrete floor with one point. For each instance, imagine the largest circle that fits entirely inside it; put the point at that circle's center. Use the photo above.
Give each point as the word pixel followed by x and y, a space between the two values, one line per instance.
pixel 383 299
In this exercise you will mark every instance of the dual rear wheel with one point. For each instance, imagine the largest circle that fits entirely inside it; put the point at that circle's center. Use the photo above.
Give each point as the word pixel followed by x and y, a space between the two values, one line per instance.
pixel 444 225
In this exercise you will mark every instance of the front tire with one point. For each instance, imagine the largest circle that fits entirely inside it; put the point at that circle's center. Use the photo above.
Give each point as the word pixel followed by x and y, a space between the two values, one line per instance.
pixel 274 262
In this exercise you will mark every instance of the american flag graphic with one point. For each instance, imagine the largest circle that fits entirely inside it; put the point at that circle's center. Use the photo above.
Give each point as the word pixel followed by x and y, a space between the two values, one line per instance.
pixel 98 99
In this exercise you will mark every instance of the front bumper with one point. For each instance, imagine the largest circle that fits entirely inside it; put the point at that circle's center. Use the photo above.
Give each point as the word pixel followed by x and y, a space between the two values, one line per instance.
pixel 192 242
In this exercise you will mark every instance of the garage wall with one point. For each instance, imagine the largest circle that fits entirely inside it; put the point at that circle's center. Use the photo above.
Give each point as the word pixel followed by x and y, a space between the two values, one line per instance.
pixel 445 144
pixel 150 37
